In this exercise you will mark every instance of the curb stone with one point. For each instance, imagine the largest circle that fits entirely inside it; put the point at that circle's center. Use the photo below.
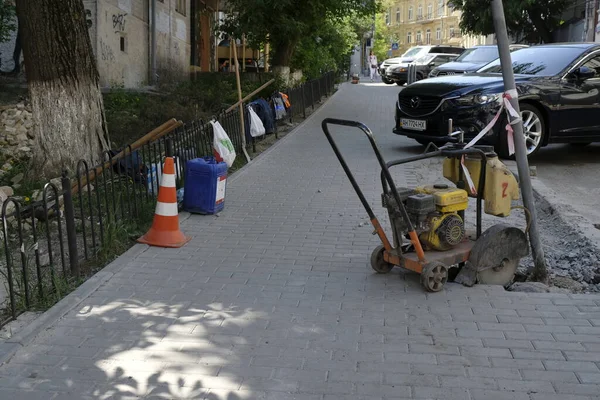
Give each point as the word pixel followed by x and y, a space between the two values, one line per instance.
pixel 30 331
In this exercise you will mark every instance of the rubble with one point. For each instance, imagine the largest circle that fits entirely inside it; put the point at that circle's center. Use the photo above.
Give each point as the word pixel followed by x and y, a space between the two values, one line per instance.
pixel 16 136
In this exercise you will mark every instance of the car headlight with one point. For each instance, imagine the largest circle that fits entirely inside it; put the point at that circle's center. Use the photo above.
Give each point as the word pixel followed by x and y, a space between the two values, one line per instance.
pixel 480 99
pixel 434 72
pixel 399 69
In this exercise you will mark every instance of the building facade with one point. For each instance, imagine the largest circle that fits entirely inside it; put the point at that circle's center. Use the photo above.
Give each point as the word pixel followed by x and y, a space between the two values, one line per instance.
pixel 426 22
pixel 121 31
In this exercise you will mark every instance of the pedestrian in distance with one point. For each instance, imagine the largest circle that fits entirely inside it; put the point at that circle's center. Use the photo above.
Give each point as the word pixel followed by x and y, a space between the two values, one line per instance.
pixel 373 64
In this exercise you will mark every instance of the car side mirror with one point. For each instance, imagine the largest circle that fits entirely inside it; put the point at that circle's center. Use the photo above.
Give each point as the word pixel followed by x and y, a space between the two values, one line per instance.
pixel 432 64
pixel 583 73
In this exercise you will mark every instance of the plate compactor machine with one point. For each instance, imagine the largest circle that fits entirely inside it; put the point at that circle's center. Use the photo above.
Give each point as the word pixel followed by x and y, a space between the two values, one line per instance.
pixel 428 222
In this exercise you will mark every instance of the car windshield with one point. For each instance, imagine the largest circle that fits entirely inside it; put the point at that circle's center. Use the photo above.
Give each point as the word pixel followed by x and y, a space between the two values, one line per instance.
pixel 412 52
pixel 425 60
pixel 479 55
pixel 541 61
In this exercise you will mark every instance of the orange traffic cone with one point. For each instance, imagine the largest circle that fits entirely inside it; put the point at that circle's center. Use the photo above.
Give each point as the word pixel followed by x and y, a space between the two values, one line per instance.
pixel 165 227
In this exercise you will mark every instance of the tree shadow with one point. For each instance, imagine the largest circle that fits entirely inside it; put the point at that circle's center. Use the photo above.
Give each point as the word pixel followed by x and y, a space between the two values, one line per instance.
pixel 131 348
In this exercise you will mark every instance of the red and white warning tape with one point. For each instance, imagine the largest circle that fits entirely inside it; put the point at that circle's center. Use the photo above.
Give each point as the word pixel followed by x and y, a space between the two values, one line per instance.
pixel 513 118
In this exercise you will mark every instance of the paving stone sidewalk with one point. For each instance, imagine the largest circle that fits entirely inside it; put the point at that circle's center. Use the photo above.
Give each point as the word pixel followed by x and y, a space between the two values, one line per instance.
pixel 274 299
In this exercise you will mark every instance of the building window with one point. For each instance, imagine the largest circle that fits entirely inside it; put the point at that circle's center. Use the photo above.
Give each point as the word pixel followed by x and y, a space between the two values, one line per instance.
pixel 123 44
pixel 451 31
pixel 428 36
pixel 181 7
pixel 440 7
pixel 418 37
pixel 387 17
pixel 398 15
pixel 408 37
pixel 430 11
pixel 410 13
pixel 420 13
pixel 438 34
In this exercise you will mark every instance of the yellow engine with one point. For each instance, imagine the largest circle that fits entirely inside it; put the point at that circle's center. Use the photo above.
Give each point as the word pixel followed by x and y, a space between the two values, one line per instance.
pixel 445 227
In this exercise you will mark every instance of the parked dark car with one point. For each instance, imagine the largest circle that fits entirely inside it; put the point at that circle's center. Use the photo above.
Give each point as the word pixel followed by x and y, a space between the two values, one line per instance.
pixel 559 96
pixel 414 53
pixel 399 74
pixel 471 60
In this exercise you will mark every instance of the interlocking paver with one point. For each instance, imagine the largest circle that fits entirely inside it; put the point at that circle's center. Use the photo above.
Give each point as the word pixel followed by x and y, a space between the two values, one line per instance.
pixel 274 300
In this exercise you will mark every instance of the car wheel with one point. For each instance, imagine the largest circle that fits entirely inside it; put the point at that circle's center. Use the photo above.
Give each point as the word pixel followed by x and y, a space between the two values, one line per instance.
pixel 386 80
pixel 534 129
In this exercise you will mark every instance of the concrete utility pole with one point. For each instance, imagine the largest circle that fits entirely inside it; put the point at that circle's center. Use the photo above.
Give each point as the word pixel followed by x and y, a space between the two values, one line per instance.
pixel 539 271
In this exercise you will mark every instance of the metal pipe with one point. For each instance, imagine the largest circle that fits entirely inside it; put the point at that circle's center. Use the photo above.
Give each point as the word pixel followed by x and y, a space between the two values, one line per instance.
pixel 153 42
pixel 539 271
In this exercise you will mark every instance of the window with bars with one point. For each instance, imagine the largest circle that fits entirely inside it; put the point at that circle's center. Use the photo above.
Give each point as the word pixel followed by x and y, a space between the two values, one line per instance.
pixel 418 37
pixel 181 6
pixel 409 37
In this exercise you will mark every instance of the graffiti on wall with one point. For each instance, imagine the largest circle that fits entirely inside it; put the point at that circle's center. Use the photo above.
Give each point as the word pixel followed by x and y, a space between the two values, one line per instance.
pixel 106 52
pixel 118 22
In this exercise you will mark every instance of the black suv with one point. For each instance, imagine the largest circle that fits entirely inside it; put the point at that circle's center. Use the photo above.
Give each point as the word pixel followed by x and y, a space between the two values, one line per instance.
pixel 471 60
pixel 559 96
pixel 412 54
pixel 424 65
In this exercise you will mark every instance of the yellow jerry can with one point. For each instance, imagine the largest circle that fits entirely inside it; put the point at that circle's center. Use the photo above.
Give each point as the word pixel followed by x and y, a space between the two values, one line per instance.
pixel 501 187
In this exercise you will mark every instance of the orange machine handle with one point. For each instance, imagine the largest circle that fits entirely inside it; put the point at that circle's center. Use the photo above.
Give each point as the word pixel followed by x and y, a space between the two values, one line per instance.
pixel 414 239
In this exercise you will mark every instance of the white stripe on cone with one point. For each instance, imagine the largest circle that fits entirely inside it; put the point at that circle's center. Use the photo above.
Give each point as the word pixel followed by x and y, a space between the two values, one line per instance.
pixel 166 209
pixel 168 180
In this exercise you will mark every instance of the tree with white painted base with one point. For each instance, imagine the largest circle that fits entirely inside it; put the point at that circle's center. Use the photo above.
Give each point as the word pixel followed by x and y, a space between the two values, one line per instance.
pixel 66 100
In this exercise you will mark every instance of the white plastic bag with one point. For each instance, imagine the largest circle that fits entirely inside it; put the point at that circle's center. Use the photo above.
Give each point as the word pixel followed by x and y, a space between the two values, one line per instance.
pixel 222 144
pixel 256 126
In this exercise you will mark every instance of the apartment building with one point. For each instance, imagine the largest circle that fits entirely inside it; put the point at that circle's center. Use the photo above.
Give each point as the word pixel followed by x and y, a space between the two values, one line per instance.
pixel 426 22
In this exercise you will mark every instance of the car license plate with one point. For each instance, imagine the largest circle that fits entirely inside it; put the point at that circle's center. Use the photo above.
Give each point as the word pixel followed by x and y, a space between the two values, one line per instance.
pixel 413 124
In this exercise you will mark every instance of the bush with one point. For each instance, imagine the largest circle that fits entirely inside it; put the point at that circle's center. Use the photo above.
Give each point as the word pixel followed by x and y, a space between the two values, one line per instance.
pixel 132 114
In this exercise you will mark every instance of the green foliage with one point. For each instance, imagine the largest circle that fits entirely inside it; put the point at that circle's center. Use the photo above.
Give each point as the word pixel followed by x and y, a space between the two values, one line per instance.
pixel 328 48
pixel 285 23
pixel 132 114
pixel 383 36
pixel 531 19
pixel 7 25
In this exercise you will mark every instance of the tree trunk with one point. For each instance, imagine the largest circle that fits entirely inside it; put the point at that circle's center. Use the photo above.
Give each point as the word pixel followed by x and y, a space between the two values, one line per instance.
pixel 283 52
pixel 67 107
pixel 541 27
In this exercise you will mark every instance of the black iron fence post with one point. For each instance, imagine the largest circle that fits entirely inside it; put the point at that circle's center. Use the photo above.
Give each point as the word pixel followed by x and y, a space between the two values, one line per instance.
pixel 312 94
pixel 304 101
pixel 169 148
pixel 70 223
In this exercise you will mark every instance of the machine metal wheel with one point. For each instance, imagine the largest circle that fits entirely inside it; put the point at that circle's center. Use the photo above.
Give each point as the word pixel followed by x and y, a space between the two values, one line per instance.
pixel 378 263
pixel 501 275
pixel 434 276
pixel 495 257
